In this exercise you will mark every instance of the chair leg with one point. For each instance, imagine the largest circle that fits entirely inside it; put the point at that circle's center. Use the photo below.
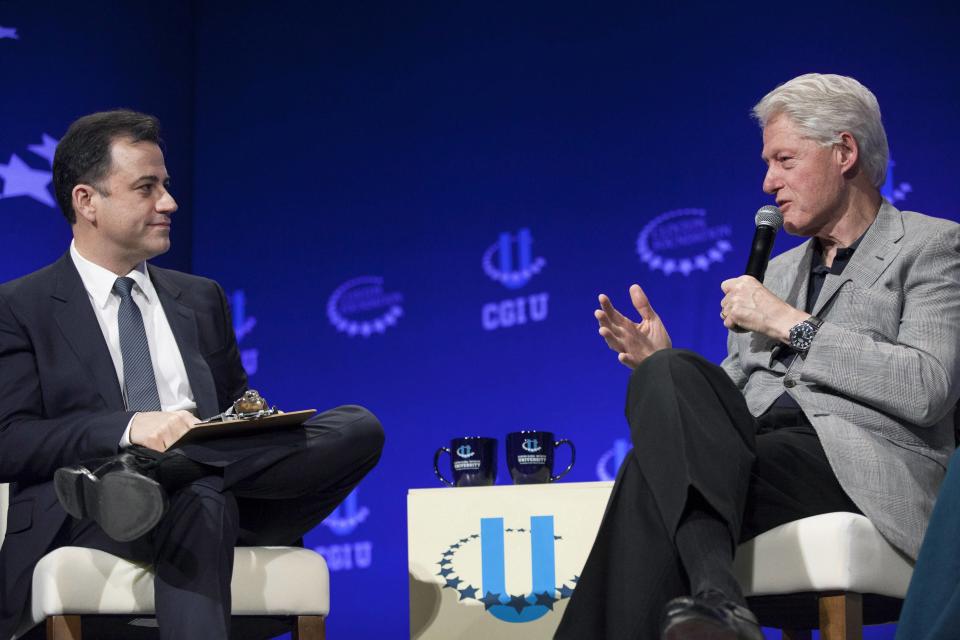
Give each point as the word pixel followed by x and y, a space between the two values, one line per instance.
pixel 796 634
pixel 309 628
pixel 841 617
pixel 63 628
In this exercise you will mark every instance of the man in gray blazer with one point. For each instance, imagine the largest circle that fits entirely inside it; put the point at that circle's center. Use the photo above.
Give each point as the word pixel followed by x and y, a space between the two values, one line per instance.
pixel 837 394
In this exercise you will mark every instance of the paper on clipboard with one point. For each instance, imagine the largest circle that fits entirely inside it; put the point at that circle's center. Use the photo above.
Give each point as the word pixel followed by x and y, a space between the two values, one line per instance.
pixel 247 426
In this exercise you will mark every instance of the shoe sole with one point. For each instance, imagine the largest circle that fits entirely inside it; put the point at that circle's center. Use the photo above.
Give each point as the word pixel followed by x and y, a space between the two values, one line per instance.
pixel 699 629
pixel 126 505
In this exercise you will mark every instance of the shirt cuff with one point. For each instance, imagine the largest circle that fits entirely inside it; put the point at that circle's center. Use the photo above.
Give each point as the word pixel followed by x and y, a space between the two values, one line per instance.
pixel 125 438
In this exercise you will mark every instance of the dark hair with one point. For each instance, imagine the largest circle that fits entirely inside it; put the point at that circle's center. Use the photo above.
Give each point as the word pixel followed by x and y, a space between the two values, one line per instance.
pixel 83 154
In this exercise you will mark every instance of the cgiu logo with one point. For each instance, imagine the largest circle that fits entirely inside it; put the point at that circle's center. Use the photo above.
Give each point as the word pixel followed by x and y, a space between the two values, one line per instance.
pixel 458 567
pixel 342 521
pixel 465 451
pixel 609 463
pixel 531 445
pixel 892 191
pixel 510 262
pixel 243 325
pixel 504 272
pixel 8 32
pixel 347 516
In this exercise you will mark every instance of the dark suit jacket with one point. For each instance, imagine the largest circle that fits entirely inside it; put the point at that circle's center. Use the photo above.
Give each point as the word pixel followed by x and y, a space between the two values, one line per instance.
pixel 61 402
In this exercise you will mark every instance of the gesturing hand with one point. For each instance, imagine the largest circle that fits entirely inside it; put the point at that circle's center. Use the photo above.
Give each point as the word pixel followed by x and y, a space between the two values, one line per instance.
pixel 750 306
pixel 632 341
pixel 158 430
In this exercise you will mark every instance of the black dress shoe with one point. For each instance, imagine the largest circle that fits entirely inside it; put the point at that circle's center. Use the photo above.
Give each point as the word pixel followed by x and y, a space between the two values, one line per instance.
pixel 708 616
pixel 120 494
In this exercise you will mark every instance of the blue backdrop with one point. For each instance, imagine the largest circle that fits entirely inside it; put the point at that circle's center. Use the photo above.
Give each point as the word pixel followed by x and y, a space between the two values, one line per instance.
pixel 414 207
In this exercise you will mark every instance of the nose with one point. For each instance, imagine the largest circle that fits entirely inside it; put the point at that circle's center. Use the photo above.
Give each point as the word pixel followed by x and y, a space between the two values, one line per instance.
pixel 771 181
pixel 166 203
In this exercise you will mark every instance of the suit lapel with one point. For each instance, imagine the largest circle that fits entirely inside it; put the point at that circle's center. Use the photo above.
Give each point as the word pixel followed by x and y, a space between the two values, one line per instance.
pixel 879 247
pixel 78 323
pixel 183 323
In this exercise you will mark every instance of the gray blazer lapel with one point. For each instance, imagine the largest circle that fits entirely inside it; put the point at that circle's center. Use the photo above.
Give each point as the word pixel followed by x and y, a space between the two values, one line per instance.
pixel 879 247
pixel 183 323
pixel 79 326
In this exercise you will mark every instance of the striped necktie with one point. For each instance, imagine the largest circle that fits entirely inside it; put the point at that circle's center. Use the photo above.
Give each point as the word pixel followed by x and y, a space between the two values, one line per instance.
pixel 138 380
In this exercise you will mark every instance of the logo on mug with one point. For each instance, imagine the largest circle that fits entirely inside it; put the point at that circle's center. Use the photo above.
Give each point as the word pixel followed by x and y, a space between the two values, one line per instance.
pixel 465 451
pixel 487 583
pixel 531 445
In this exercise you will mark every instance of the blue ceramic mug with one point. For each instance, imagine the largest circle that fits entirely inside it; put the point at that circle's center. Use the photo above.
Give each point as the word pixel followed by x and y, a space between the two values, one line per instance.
pixel 473 461
pixel 530 456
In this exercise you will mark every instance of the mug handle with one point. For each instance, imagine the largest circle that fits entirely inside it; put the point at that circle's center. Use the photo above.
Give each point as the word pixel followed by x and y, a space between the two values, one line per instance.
pixel 573 458
pixel 436 465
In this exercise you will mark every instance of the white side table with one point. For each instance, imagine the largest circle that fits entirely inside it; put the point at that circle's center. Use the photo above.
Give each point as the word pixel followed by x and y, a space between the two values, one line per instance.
pixel 498 562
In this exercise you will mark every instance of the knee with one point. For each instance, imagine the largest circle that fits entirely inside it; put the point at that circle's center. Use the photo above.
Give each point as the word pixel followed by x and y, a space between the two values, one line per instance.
pixel 665 363
pixel 364 431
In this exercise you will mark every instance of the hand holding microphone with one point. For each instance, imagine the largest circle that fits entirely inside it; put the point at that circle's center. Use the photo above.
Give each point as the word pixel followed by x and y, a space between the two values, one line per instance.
pixel 748 305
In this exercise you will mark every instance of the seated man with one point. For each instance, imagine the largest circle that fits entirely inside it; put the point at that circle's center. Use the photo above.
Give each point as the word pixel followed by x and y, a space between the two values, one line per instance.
pixel 107 361
pixel 837 393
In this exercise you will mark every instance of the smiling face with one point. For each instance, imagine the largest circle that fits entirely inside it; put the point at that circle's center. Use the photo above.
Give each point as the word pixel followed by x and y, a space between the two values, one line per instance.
pixel 806 178
pixel 129 211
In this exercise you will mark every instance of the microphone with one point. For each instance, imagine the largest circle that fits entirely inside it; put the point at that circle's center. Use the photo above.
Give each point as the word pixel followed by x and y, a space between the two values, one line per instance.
pixel 768 221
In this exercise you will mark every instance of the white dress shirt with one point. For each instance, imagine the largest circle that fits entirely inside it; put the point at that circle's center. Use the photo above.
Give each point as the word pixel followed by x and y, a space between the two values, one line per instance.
pixel 173 387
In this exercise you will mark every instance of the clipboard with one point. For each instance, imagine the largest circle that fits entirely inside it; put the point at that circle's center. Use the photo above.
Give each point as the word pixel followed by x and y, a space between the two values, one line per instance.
pixel 244 426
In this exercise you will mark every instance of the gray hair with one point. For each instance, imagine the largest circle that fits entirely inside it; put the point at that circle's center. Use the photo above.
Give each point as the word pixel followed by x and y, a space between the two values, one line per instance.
pixel 824 105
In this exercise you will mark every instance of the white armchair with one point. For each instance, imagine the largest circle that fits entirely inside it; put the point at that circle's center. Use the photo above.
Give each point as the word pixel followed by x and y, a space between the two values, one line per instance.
pixel 833 571
pixel 72 582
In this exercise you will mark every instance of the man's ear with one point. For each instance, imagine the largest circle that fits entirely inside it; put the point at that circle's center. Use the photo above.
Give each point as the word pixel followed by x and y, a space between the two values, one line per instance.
pixel 84 204
pixel 848 151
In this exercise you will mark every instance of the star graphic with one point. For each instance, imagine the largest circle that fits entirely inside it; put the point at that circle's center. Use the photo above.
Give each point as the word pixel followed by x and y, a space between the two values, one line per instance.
pixel 448 553
pixel 455 546
pixel 46 149
pixel 469 592
pixel 474 536
pixel 464 540
pixel 453 583
pixel 575 579
pixel 445 572
pixel 445 562
pixel 20 180
pixel 565 592
pixel 546 600
pixel 558 537
pixel 521 530
pixel 8 32
pixel 509 530
pixel 518 602
pixel 489 600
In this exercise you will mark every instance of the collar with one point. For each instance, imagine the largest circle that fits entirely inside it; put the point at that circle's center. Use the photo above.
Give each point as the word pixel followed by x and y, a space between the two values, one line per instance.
pixel 99 281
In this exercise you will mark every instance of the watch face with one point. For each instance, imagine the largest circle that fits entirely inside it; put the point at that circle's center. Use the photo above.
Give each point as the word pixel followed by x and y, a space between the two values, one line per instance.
pixel 801 336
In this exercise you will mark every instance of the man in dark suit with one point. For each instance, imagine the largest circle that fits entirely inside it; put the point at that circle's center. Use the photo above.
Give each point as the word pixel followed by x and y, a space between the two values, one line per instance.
pixel 106 362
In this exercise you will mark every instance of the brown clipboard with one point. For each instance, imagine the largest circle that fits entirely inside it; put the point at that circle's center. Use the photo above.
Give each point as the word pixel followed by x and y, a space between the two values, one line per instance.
pixel 250 426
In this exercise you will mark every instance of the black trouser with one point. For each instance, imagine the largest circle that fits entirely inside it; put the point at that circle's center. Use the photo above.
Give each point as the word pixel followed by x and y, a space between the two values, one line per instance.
pixel 691 431
pixel 270 494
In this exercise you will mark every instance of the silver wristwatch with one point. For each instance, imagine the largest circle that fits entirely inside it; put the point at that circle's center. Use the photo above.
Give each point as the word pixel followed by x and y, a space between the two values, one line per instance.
pixel 802 333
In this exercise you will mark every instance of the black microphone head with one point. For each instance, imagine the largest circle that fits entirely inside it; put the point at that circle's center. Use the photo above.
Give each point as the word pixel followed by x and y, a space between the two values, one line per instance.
pixel 769 216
